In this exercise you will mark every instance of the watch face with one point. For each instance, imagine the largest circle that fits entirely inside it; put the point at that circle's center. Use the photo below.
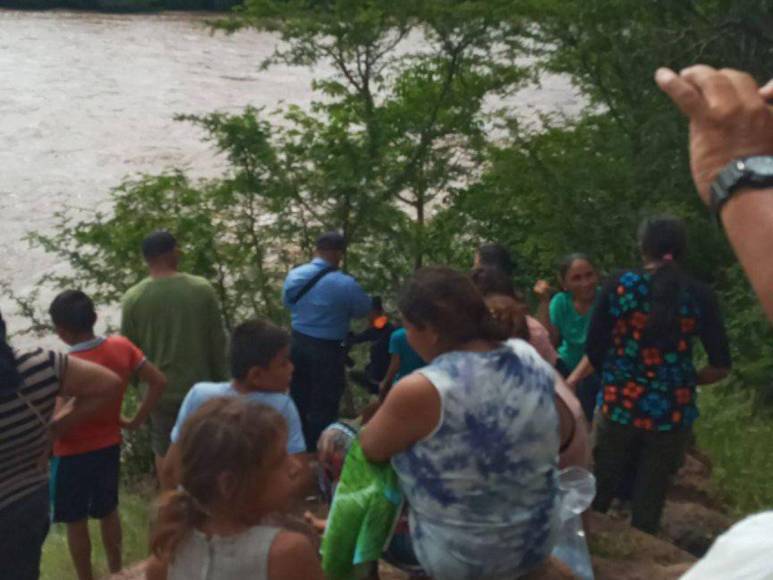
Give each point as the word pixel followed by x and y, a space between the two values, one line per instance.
pixel 761 165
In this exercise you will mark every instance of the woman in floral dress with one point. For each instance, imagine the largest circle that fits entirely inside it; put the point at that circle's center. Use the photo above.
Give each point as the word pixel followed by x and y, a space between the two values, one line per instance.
pixel 640 339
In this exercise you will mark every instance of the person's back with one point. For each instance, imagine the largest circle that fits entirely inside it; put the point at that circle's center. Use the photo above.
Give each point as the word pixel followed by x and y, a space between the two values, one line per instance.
pixel 498 425
pixel 246 555
pixel 322 301
pixel 174 318
pixel 103 430
pixel 651 384
pixel 176 322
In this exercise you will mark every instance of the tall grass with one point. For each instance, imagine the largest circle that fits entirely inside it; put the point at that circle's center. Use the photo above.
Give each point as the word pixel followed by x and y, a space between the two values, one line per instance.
pixel 738 437
pixel 134 507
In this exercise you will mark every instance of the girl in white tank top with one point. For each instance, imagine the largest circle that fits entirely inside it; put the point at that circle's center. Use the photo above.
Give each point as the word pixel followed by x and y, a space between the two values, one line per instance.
pixel 235 470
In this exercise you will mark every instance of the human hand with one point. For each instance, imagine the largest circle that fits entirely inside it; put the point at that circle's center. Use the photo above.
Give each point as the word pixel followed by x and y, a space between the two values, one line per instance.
pixel 729 117
pixel 543 290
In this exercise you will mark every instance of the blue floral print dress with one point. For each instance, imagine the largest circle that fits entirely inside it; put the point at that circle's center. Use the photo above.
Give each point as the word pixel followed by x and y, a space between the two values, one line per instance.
pixel 651 386
pixel 482 488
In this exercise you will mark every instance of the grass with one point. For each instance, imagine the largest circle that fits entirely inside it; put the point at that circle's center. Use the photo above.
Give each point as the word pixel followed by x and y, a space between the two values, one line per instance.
pixel 739 440
pixel 134 508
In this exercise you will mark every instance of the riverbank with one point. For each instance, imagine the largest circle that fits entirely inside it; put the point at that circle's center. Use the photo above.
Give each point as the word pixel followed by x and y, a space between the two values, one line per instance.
pixel 122 5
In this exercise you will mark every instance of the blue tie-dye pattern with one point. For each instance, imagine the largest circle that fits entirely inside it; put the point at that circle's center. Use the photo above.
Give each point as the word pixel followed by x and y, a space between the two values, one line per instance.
pixel 482 489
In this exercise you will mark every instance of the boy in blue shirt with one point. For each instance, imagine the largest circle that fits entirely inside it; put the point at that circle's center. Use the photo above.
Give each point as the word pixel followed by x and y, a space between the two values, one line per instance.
pixel 261 370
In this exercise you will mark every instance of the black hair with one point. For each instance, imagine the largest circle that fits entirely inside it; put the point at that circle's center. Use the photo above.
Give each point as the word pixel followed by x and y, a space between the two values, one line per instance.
pixel 492 281
pixel 74 311
pixel 255 343
pixel 157 244
pixel 568 260
pixel 496 256
pixel 448 301
pixel 331 241
pixel 376 303
pixel 663 239
pixel 9 375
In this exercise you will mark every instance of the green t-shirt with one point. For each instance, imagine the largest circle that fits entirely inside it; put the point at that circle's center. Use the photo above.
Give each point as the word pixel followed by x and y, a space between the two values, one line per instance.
pixel 572 327
pixel 176 322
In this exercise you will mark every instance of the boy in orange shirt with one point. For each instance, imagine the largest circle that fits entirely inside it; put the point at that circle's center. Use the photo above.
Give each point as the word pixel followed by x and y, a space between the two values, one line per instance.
pixel 87 457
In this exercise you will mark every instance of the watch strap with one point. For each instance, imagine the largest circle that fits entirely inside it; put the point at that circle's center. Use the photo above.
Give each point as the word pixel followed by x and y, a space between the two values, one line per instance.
pixel 734 176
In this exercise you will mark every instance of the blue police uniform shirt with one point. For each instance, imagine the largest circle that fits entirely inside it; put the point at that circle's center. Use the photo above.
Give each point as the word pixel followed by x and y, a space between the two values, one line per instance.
pixel 325 310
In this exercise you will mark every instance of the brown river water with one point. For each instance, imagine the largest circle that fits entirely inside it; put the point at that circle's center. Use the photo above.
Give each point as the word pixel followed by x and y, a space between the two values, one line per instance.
pixel 88 99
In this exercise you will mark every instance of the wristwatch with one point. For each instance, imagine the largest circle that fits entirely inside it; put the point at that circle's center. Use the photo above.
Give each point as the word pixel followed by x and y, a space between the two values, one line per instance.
pixel 754 172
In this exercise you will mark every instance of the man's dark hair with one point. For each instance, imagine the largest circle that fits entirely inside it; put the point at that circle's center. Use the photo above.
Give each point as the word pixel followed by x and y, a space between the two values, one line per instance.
pixel 376 303
pixel 255 343
pixel 496 256
pixel 157 244
pixel 331 241
pixel 74 311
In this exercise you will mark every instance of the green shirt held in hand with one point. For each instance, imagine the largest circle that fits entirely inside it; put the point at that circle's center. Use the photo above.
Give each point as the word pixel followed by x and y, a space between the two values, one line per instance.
pixel 176 322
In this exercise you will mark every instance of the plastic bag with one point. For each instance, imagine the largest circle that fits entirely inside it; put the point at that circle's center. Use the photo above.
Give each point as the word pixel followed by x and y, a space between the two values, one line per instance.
pixel 577 487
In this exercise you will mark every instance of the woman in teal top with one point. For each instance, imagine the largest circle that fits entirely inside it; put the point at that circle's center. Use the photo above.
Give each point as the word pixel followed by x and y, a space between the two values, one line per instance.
pixel 567 317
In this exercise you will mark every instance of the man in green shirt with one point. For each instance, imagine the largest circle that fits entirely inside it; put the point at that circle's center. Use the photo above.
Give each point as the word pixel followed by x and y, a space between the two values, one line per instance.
pixel 174 318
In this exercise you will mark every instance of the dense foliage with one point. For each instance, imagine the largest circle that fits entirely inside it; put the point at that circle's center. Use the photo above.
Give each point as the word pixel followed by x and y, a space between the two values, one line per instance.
pixel 414 148
pixel 121 5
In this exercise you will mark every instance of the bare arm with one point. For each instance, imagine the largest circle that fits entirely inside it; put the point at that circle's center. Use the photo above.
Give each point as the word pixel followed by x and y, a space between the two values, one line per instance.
pixel 410 412
pixel 292 557
pixel 748 222
pixel 156 381
pixel 581 371
pixel 90 387
pixel 730 119
pixel 544 293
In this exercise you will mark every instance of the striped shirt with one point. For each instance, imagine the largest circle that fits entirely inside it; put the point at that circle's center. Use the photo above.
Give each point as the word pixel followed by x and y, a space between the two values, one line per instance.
pixel 25 414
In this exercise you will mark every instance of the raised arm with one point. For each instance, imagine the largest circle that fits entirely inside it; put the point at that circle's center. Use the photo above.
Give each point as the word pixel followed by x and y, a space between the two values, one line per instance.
pixel 730 119
pixel 544 294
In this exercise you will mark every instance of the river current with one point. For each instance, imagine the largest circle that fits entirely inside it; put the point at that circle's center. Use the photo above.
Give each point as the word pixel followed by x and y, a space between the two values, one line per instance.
pixel 88 99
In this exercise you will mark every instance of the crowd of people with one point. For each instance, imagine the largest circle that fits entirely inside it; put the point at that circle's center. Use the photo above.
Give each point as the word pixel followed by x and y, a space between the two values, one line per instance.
pixel 478 406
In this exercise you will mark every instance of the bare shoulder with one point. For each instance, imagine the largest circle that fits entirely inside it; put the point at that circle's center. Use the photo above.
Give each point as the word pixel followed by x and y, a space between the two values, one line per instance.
pixel 292 557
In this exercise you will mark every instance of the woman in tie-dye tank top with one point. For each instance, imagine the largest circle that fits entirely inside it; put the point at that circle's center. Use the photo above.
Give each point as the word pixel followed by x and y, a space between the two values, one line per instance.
pixel 473 437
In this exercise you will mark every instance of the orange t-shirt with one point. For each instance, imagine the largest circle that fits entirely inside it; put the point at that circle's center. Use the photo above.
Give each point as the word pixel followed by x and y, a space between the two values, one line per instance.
pixel 122 357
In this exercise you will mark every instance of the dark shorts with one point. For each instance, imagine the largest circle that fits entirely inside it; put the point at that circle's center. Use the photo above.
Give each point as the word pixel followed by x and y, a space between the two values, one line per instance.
pixel 23 528
pixel 86 485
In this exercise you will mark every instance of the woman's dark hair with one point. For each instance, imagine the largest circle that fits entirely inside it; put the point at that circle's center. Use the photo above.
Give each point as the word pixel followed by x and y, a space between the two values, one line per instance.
pixel 664 240
pixel 448 301
pixel 568 260
pixel 492 281
pixel 9 375
pixel 495 256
